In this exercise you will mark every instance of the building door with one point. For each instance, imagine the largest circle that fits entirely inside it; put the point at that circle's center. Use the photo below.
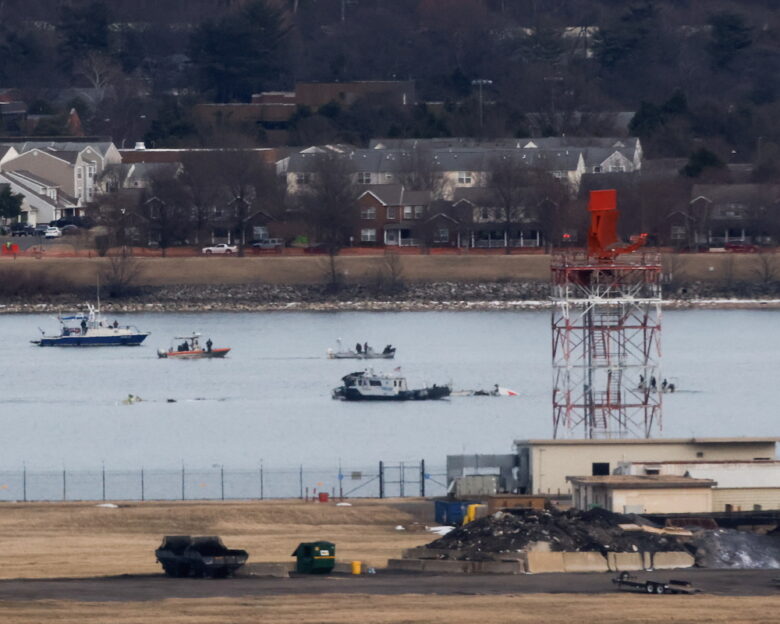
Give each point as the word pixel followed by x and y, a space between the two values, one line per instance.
pixel 391 237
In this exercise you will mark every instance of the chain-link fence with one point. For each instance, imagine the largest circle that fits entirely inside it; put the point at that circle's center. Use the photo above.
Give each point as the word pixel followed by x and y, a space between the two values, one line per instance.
pixel 384 479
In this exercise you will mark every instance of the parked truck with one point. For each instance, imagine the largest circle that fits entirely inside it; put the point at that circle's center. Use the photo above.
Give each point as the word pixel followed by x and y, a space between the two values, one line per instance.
pixel 183 556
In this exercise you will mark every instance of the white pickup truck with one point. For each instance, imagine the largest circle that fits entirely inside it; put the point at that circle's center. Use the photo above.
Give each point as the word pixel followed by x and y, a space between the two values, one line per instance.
pixel 222 248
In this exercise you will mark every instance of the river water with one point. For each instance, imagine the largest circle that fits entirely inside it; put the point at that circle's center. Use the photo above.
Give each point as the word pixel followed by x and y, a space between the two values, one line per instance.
pixel 270 399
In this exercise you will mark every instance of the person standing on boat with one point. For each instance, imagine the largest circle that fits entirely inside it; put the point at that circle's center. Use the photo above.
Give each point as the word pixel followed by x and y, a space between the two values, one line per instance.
pixel 208 345
pixel 83 327
pixel 365 348
pixel 358 348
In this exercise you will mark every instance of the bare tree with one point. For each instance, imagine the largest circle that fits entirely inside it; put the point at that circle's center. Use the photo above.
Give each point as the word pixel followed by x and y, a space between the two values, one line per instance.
pixel 512 185
pixel 330 206
pixel 419 172
pixel 101 72
pixel 766 267
pixel 166 211
pixel 121 275
pixel 249 185
pixel 203 191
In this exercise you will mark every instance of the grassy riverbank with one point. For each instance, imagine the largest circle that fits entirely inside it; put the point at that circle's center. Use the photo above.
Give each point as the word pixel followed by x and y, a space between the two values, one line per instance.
pixel 304 270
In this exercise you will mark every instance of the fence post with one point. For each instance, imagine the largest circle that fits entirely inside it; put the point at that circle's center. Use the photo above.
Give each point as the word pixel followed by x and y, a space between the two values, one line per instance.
pixel 381 479
pixel 422 478
pixel 300 480
pixel 222 481
pixel 341 481
pixel 401 476
pixel 103 480
pixel 262 493
pixel 64 485
pixel 142 485
pixel 24 482
pixel 182 481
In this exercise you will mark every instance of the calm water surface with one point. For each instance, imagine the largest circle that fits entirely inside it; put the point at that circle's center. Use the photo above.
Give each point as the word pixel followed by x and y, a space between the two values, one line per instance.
pixel 270 399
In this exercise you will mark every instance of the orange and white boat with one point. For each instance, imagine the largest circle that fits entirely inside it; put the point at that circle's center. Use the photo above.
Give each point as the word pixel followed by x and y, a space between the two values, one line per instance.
pixel 190 349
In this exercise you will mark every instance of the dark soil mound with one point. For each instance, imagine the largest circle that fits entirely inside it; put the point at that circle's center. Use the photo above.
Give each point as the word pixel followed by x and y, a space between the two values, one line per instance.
pixel 510 531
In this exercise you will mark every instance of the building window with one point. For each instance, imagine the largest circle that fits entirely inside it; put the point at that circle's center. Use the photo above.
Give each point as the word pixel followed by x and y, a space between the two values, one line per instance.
pixel 78 173
pixel 600 469
pixel 301 178
pixel 617 169
pixel 368 235
pixel 597 169
pixel 419 212
pixel 392 212
pixel 678 232
pixel 464 177
pixel 388 177
pixel 408 212
pixel 368 212
pixel 699 454
pixel 364 177
pixel 441 235
pixel 558 174
pixel 484 214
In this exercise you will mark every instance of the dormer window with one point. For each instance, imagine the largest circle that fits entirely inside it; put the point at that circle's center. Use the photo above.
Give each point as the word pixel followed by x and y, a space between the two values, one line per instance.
pixel 364 177
pixel 464 177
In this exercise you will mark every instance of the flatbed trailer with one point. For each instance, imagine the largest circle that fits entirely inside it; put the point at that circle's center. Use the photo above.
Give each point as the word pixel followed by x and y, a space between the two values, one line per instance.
pixel 627 582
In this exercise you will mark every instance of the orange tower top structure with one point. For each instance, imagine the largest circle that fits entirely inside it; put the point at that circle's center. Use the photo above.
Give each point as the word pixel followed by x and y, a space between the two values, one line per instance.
pixel 603 241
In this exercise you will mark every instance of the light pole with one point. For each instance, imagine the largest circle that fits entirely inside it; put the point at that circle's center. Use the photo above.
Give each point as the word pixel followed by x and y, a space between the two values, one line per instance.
pixel 481 82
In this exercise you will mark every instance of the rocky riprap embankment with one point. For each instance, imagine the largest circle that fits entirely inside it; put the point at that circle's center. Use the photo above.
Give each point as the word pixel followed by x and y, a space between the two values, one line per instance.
pixel 432 296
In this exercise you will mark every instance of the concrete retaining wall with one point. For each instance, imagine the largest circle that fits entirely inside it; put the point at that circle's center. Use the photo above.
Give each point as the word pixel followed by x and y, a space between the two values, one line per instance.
pixel 444 566
pixel 584 562
pixel 625 562
pixel 537 562
pixel 670 560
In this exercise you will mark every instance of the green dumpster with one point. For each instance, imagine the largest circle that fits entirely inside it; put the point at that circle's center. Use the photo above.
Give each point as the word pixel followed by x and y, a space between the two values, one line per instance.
pixel 315 557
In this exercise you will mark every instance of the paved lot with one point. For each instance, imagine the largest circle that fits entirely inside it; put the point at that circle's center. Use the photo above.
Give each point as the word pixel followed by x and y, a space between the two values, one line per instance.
pixel 158 587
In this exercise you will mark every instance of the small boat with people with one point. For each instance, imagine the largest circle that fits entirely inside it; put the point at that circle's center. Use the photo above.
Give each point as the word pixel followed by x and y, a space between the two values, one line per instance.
pixel 370 386
pixel 91 329
pixel 361 352
pixel 191 349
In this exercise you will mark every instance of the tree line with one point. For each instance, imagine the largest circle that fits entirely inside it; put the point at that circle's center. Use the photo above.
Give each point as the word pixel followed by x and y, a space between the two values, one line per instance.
pixel 697 73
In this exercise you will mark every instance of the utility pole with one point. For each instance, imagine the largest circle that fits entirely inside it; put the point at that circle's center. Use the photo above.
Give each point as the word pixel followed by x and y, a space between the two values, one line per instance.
pixel 481 82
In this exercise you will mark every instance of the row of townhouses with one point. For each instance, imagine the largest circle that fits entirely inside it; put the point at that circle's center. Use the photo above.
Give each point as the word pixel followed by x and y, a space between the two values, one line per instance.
pixel 56 179
pixel 455 207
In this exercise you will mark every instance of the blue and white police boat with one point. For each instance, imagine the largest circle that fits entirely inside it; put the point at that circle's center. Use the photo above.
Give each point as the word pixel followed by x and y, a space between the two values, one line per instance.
pixel 91 329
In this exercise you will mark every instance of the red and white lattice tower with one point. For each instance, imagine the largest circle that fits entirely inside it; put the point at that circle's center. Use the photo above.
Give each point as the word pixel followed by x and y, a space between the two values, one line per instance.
pixel 606 334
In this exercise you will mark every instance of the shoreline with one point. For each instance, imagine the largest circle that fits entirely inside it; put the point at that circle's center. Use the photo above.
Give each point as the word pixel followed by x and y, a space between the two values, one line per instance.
pixel 368 305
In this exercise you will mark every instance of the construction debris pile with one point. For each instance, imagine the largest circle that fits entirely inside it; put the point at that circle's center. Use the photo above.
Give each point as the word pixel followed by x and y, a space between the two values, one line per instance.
pixel 727 548
pixel 515 530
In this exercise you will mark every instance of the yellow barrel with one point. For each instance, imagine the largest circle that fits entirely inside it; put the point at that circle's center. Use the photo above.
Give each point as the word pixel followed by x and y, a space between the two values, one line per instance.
pixel 356 567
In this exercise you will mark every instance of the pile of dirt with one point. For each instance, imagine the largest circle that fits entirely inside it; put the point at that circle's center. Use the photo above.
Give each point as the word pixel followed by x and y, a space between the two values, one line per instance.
pixel 596 530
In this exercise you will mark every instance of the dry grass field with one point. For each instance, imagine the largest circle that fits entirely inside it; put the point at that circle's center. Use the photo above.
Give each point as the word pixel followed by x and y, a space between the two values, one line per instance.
pixel 45 540
pixel 40 540
pixel 81 272
pixel 407 609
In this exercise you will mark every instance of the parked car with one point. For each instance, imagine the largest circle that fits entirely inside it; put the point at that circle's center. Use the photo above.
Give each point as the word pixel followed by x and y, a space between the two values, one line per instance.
pixel 52 232
pixel 69 230
pixel 21 229
pixel 319 248
pixel 221 248
pixel 40 229
pixel 268 243
pixel 741 248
